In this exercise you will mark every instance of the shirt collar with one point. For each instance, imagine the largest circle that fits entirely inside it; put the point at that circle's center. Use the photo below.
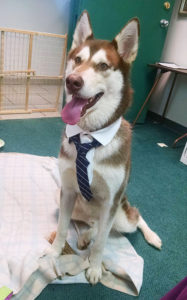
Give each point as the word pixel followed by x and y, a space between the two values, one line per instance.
pixel 104 135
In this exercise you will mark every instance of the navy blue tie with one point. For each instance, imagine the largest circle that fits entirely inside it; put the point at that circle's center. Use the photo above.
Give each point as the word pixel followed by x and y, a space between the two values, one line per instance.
pixel 82 164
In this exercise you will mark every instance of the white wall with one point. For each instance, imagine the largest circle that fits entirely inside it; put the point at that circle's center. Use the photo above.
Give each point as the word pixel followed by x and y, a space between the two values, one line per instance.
pixel 174 51
pixel 37 15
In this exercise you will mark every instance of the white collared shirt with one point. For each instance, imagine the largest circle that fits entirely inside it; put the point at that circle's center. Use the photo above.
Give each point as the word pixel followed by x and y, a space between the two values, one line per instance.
pixel 104 136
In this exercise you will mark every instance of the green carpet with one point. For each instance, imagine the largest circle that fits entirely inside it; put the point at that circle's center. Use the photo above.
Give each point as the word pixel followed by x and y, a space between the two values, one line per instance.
pixel 158 187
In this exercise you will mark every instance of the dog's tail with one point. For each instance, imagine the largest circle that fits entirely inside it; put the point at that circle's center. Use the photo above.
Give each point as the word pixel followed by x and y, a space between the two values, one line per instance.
pixel 128 219
pixel 150 236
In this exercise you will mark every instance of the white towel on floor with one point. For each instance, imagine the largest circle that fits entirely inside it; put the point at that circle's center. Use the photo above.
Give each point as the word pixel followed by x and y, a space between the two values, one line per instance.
pixel 29 203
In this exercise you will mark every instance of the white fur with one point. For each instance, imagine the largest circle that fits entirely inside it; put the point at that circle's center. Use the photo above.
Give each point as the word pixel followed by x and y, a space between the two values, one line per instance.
pixel 127 41
pixel 108 150
pixel 100 57
pixel 92 83
pixel 114 178
pixel 94 274
pixel 84 54
pixel 82 32
pixel 69 67
pixel 70 149
pixel 111 84
pixel 150 236
pixel 121 222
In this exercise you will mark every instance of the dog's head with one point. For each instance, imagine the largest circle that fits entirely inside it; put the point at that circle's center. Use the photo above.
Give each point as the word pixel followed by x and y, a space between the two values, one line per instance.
pixel 97 75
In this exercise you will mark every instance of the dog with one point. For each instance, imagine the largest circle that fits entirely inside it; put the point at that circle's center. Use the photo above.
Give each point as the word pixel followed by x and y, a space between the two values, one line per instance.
pixel 98 93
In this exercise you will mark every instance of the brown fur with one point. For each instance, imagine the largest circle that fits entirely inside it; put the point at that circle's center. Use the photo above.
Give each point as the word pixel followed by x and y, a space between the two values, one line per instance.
pixel 69 178
pixel 117 199
pixel 99 181
pixel 132 213
pixel 122 156
pixel 62 152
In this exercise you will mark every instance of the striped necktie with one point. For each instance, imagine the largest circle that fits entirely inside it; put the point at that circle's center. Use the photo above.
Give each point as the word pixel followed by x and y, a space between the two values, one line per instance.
pixel 82 164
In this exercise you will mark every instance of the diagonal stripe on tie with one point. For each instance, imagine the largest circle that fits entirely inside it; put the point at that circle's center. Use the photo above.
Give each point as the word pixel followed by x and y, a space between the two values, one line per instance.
pixel 82 164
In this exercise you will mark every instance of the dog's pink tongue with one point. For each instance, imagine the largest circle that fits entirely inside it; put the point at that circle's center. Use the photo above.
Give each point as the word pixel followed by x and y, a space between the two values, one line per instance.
pixel 71 112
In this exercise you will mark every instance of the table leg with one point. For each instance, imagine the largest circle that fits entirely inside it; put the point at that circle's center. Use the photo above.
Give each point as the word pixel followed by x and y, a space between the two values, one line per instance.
pixel 180 138
pixel 147 99
pixel 169 96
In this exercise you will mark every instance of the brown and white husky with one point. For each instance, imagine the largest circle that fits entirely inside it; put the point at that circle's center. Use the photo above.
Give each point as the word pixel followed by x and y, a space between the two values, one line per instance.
pixel 98 92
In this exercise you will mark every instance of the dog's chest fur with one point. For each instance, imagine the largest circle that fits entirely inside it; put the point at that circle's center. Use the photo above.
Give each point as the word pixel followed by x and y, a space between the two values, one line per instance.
pixel 111 164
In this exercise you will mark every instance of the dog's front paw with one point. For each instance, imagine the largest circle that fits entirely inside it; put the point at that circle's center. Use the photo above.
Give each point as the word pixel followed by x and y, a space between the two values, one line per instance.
pixel 94 274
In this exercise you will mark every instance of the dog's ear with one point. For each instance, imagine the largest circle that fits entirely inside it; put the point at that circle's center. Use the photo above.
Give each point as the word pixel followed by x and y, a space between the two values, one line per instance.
pixel 127 40
pixel 83 30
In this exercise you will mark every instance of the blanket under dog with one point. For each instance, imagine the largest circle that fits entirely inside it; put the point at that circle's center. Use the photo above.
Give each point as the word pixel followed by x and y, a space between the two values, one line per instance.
pixel 29 205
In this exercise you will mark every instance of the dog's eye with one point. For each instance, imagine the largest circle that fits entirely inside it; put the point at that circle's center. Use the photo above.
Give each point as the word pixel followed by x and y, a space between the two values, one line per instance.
pixel 103 66
pixel 78 60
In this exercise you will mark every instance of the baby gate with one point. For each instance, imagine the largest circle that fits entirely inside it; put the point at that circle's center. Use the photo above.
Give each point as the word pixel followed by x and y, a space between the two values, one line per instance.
pixel 31 71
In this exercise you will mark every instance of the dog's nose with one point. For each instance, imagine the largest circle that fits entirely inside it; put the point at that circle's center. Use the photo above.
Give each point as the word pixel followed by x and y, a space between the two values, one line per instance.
pixel 74 83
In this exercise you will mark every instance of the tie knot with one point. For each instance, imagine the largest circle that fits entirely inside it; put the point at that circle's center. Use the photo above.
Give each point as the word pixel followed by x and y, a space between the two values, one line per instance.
pixel 83 148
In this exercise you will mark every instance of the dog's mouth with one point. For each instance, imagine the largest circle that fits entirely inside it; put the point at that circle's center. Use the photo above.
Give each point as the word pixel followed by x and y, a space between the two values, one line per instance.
pixel 77 107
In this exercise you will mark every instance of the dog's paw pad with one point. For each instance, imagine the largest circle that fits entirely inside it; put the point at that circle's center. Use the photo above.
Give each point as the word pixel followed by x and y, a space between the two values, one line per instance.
pixel 94 274
pixel 154 240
